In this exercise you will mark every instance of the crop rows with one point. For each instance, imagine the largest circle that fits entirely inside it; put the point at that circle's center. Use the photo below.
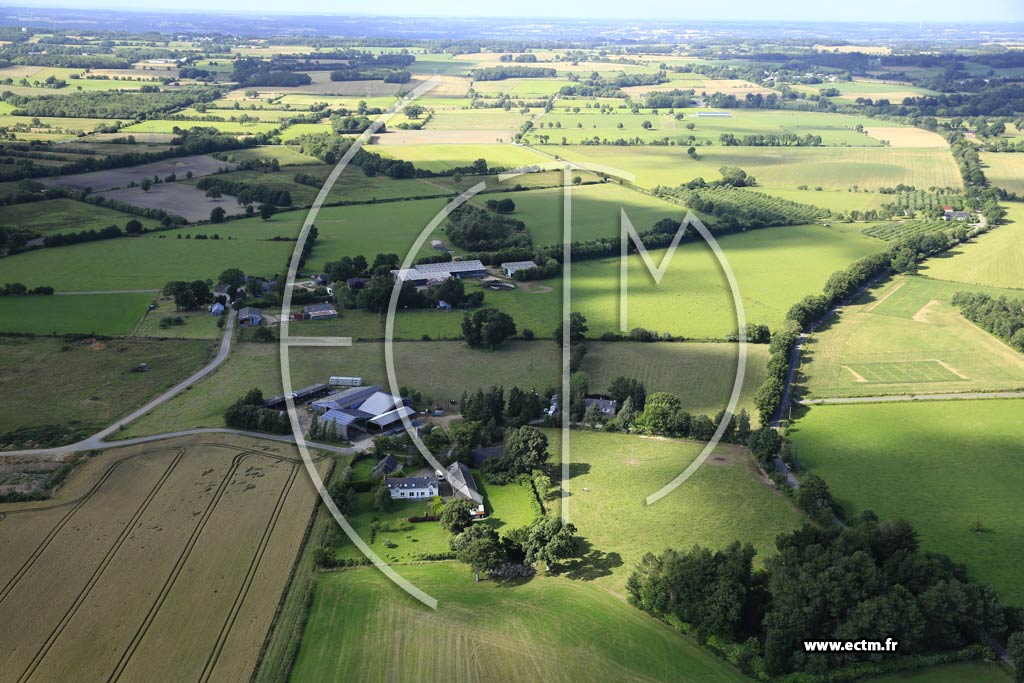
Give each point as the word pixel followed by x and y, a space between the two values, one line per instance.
pixel 900 229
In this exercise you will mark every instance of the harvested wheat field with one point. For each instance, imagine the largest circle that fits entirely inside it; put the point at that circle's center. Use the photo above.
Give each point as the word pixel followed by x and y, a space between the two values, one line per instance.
pixel 170 556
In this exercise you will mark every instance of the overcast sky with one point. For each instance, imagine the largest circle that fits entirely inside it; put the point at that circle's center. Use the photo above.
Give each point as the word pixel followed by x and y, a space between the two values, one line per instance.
pixel 760 10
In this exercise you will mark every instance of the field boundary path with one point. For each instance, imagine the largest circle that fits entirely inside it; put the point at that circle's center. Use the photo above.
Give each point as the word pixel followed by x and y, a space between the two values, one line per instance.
pixel 914 397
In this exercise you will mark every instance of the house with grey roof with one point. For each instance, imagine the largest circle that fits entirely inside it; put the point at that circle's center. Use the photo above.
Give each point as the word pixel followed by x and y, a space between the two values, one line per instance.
pixel 412 487
pixel 510 267
pixel 384 467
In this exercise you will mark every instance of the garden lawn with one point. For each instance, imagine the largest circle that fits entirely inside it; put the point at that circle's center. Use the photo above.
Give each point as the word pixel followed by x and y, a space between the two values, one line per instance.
pixel 944 466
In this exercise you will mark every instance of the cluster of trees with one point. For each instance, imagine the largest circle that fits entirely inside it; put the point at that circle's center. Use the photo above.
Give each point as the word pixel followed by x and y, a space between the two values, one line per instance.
pixel 1002 317
pixel 500 73
pixel 476 229
pixel 251 72
pixel 188 296
pixel 487 327
pixel 248 413
pixel 347 123
pixel 329 148
pixel 525 58
pixel 487 412
pixel 733 209
pixel 367 73
pixel 823 584
pixel 771 140
pixel 245 193
pixel 111 104
pixel 60 239
pixel 19 289
pixel 545 268
pixel 548 540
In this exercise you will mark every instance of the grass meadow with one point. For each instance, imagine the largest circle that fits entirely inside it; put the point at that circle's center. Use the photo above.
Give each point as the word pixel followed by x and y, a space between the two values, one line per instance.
pixel 727 499
pixel 106 314
pixel 65 215
pixel 1005 171
pixel 833 168
pixel 439 157
pixel 701 375
pixel 904 336
pixel 995 258
pixel 489 632
pixel 58 381
pixel 963 460
pixel 147 262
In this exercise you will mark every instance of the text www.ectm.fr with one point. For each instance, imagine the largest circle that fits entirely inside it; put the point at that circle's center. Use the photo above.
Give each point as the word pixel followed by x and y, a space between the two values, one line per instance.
pixel 888 645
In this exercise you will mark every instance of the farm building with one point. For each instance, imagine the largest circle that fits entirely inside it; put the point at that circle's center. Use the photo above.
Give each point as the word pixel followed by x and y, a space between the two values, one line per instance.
pixel 438 272
pixel 319 312
pixel 951 214
pixel 412 487
pixel 301 396
pixel 217 309
pixel 366 409
pixel 608 406
pixel 386 466
pixel 249 317
pixel 460 483
pixel 355 282
pixel 510 267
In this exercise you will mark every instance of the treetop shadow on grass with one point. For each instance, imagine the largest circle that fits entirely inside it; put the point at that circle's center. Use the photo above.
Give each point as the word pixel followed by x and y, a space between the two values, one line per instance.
pixel 591 564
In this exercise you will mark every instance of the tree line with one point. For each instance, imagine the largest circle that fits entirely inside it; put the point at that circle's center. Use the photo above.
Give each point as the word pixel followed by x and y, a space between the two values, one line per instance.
pixel 1001 316
pixel 245 193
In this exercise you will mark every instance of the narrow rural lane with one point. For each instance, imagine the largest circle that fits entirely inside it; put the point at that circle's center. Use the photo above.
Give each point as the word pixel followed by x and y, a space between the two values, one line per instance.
pixel 916 397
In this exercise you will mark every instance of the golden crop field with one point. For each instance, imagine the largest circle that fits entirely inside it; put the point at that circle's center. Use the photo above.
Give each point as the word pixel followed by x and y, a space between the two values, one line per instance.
pixel 168 557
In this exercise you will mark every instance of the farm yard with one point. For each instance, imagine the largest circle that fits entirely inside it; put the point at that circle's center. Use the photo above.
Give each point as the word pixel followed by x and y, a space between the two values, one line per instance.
pixel 215 521
pixel 963 456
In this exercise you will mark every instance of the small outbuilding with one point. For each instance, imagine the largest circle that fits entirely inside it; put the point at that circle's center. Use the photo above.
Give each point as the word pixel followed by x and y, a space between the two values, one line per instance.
pixel 250 317
pixel 510 267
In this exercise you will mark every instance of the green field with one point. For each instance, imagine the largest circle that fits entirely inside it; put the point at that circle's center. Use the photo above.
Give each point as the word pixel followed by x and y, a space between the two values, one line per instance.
pixel 974 672
pixel 285 155
pixel 107 314
pixel 834 129
pixel 841 201
pixel 144 263
pixel 439 157
pixel 439 370
pixel 233 127
pixel 595 211
pixel 65 215
pixel 199 324
pixel 57 381
pixel 995 258
pixel 521 87
pixel 834 168
pixel 612 475
pixel 701 375
pixel 489 632
pixel 904 336
pixel 941 465
pixel 1005 171
pixel 775 268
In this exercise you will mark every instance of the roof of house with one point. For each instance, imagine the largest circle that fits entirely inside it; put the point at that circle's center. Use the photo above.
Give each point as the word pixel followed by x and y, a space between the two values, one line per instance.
pixel 386 466
pixel 411 482
pixel 604 404
pixel 518 265
pixel 250 312
pixel 462 482
pixel 320 308
pixel 392 416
